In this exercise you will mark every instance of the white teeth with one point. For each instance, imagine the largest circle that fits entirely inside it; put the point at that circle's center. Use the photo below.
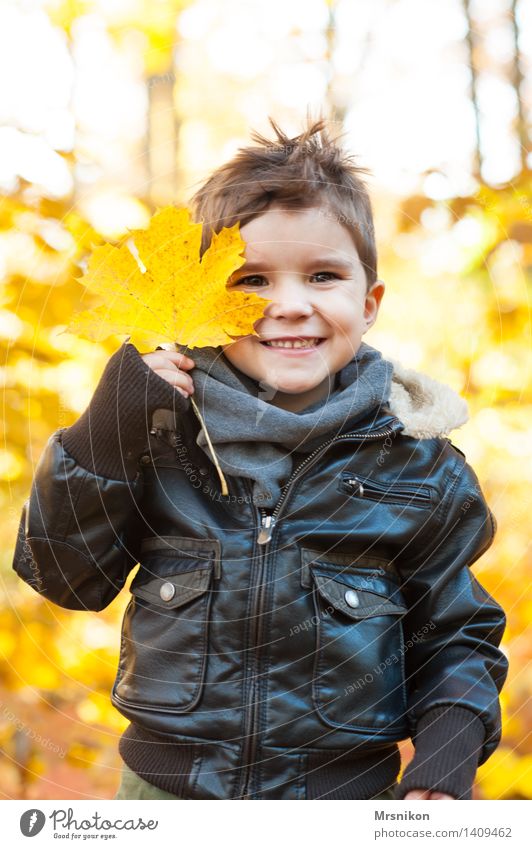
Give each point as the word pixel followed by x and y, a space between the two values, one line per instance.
pixel 294 343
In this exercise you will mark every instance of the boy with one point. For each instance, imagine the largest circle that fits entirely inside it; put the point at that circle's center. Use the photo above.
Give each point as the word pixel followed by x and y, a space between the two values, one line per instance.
pixel 281 639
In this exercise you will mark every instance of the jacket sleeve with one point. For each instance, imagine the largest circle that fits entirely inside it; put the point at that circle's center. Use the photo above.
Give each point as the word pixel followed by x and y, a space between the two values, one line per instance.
pixel 81 526
pixel 453 629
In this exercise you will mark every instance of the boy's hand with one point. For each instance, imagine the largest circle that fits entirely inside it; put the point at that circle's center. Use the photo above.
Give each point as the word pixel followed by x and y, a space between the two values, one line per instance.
pixel 171 367
pixel 416 795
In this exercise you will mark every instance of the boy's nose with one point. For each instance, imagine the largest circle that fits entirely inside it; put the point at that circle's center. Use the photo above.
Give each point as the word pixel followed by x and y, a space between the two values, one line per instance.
pixel 288 302
pixel 288 309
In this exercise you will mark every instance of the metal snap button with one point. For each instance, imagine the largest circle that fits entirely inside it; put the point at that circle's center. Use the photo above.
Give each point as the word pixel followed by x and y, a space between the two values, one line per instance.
pixel 145 459
pixel 167 591
pixel 351 598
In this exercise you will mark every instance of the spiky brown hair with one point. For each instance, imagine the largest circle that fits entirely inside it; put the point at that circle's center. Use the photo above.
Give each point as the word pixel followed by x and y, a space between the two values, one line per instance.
pixel 308 170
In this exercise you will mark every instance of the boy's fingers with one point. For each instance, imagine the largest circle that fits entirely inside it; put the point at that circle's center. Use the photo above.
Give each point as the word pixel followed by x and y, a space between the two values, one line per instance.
pixel 171 365
pixel 177 379
pixel 180 360
pixel 168 359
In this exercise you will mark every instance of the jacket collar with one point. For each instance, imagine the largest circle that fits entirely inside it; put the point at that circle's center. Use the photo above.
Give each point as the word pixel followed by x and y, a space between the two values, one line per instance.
pixel 426 407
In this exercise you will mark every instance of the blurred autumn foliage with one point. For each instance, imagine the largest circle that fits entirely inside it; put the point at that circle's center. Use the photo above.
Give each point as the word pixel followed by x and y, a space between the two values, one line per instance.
pixel 458 271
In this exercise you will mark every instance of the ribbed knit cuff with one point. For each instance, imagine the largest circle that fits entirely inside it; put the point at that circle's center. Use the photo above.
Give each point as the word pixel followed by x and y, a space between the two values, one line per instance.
pixel 352 775
pixel 158 759
pixel 448 742
pixel 113 432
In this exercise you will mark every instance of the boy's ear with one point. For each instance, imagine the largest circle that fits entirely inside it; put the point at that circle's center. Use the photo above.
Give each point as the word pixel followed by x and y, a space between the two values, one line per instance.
pixel 372 302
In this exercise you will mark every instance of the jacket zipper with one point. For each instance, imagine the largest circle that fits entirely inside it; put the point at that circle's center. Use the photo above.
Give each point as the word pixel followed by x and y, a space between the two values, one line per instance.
pixel 252 701
pixel 366 488
pixel 268 522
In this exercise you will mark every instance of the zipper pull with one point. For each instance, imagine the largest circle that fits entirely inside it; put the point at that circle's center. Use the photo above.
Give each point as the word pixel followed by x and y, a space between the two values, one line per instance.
pixel 265 533
pixel 355 483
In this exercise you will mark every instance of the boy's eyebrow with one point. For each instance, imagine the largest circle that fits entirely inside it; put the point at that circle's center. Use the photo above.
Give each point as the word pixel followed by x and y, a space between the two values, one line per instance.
pixel 329 261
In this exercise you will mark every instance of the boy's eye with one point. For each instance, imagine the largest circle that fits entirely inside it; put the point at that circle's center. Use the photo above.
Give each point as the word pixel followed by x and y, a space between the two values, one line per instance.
pixel 251 280
pixel 330 275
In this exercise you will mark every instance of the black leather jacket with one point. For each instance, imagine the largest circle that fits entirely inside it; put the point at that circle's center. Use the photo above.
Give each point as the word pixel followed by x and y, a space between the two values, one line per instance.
pixel 329 627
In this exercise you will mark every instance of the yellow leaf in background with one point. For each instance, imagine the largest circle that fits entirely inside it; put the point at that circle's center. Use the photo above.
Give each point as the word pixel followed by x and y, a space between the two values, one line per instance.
pixel 170 295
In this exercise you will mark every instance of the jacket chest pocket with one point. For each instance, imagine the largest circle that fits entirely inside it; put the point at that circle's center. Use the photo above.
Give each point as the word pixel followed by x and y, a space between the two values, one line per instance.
pixel 359 677
pixel 165 631
pixel 402 494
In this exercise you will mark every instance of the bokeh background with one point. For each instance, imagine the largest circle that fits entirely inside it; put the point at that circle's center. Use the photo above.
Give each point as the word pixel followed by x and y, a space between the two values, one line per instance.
pixel 111 108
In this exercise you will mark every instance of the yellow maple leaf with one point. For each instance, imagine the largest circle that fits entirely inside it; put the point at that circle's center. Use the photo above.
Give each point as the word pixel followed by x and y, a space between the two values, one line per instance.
pixel 170 295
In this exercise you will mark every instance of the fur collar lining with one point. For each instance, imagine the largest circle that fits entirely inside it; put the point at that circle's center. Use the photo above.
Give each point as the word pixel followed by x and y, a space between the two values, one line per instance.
pixel 427 407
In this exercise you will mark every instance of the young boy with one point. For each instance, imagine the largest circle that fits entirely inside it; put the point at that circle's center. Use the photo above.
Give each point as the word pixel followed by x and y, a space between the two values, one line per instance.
pixel 281 639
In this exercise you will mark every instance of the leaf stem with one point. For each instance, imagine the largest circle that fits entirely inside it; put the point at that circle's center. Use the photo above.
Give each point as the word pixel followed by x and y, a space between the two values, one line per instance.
pixel 223 482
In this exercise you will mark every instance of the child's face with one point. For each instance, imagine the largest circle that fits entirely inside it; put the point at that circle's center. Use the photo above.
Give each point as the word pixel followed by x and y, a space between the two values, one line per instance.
pixel 306 262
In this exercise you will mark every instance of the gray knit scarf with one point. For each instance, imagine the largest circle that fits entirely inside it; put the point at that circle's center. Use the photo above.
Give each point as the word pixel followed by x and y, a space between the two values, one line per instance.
pixel 254 439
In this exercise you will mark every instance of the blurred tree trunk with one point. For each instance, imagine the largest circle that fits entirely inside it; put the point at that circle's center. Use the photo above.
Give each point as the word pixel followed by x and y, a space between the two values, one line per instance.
pixel 336 110
pixel 518 84
pixel 472 61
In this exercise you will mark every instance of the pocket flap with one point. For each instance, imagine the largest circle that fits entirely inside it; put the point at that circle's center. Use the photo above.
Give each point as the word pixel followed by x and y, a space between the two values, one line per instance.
pixel 203 550
pixel 172 591
pixel 355 603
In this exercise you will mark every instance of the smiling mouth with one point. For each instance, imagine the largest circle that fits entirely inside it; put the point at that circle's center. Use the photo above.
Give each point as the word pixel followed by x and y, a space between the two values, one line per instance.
pixel 298 342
